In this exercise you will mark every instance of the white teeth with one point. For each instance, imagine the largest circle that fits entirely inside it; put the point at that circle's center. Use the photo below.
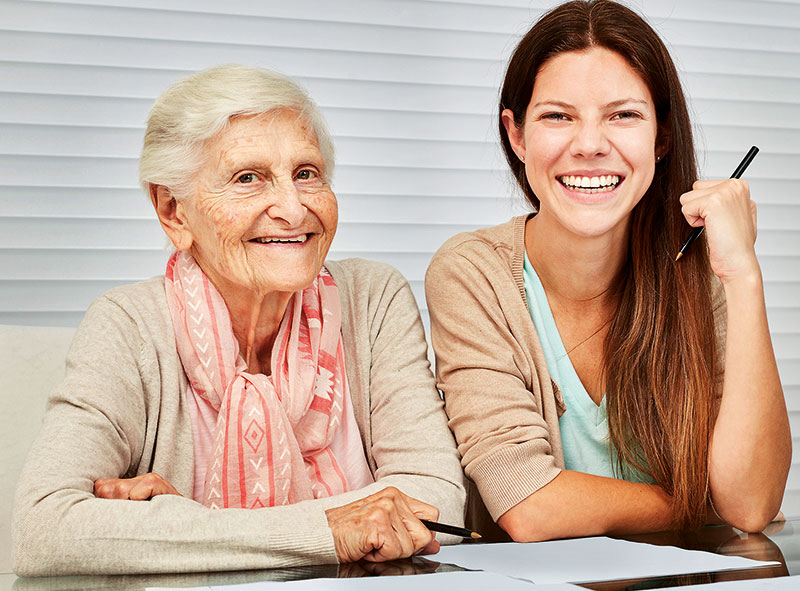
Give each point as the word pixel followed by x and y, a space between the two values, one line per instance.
pixel 295 240
pixel 593 184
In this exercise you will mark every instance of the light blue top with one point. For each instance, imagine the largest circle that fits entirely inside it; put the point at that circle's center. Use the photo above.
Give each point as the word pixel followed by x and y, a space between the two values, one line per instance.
pixel 584 425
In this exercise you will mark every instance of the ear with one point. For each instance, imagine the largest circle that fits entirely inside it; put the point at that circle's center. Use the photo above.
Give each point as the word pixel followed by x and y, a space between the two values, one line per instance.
pixel 172 217
pixel 516 135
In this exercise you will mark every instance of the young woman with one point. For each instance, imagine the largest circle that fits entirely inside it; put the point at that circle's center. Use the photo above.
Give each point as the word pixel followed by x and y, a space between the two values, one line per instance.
pixel 594 383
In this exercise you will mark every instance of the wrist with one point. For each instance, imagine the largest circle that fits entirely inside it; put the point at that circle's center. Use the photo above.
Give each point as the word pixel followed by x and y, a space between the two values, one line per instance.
pixel 748 278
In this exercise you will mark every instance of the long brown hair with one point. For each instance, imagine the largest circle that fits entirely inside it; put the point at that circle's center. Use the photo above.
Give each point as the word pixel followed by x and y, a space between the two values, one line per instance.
pixel 660 351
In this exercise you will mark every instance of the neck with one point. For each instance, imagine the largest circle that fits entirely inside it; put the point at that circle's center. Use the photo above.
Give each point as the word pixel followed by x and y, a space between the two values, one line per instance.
pixel 255 325
pixel 255 318
pixel 575 269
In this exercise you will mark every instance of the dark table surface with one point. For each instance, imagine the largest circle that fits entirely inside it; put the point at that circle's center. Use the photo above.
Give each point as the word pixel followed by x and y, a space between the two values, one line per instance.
pixel 779 542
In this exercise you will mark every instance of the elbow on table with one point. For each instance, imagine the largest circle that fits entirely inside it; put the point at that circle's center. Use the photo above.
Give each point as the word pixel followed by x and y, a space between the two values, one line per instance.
pixel 26 568
pixel 24 562
pixel 749 511
pixel 35 549
pixel 751 519
pixel 523 533
pixel 523 529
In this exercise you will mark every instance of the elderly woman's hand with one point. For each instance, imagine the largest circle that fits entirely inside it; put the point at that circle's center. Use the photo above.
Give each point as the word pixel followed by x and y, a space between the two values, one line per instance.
pixel 384 526
pixel 139 488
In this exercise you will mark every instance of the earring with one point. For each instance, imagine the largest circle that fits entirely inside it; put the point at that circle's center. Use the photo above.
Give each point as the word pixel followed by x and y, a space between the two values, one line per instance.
pixel 658 158
pixel 522 158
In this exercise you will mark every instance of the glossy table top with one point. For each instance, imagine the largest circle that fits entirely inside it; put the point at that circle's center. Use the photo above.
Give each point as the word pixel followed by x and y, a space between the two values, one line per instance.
pixel 779 542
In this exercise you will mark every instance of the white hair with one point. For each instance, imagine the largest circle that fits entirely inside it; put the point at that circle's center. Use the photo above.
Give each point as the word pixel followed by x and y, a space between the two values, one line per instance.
pixel 199 106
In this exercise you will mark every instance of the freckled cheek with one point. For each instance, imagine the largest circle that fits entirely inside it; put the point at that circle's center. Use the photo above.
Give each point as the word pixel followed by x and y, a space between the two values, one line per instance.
pixel 228 225
pixel 326 208
pixel 332 214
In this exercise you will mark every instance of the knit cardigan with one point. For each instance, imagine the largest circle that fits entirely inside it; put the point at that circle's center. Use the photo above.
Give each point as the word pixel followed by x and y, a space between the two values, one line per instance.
pixel 502 404
pixel 121 411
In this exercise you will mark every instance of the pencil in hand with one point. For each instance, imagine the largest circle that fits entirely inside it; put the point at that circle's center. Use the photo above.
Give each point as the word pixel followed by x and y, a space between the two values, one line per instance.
pixel 450 529
pixel 748 158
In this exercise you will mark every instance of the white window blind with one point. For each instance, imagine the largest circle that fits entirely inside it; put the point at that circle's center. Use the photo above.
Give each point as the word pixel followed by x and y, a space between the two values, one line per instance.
pixel 409 89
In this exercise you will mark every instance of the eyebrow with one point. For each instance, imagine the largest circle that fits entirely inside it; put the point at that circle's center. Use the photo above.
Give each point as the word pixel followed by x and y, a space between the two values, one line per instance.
pixel 610 105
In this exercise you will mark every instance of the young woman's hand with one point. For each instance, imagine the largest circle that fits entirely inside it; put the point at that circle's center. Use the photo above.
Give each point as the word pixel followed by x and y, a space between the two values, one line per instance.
pixel 383 526
pixel 729 216
pixel 139 488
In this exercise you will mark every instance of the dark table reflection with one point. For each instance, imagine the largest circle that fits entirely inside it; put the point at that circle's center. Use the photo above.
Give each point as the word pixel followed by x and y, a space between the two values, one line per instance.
pixel 717 539
pixel 410 566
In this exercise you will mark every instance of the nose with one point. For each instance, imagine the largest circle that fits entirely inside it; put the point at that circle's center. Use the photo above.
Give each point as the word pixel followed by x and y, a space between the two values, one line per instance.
pixel 590 140
pixel 288 205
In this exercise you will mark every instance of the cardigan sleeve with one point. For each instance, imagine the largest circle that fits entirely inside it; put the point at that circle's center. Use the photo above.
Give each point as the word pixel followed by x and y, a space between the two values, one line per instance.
pixel 410 445
pixel 487 375
pixel 95 427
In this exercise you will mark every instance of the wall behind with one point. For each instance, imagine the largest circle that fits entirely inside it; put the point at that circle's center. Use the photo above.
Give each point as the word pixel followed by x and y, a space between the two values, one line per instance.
pixel 409 88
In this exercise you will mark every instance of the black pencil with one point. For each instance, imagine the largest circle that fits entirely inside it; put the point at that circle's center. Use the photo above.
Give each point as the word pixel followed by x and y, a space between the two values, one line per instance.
pixel 450 529
pixel 748 158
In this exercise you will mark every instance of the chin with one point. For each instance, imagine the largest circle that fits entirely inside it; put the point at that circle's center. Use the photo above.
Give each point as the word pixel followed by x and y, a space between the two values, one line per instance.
pixel 595 224
pixel 293 283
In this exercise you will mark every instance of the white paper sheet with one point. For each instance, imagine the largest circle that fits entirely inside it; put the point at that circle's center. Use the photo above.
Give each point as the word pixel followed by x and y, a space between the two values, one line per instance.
pixel 584 560
pixel 457 581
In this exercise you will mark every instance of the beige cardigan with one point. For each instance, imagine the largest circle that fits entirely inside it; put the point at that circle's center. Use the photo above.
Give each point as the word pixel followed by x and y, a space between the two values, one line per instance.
pixel 502 403
pixel 121 411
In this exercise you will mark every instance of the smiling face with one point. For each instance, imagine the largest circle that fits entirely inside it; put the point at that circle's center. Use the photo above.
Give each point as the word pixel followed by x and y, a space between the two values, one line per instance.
pixel 262 214
pixel 588 141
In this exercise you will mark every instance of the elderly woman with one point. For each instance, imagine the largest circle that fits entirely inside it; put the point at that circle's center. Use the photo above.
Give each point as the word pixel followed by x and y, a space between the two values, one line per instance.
pixel 257 406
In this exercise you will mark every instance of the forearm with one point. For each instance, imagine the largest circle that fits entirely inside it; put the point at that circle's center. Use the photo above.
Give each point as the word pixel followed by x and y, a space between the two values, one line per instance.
pixel 71 533
pixel 750 450
pixel 575 504
pixel 61 528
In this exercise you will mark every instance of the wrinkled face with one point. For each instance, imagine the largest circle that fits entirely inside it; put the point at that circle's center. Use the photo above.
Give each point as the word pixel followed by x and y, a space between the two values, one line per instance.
pixel 589 141
pixel 262 215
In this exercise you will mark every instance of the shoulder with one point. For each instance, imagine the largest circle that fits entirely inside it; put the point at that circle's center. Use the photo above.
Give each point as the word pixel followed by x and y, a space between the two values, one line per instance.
pixel 370 290
pixel 144 301
pixel 491 250
pixel 135 296
pixel 494 238
pixel 364 281
pixel 138 310
pixel 485 257
pixel 358 270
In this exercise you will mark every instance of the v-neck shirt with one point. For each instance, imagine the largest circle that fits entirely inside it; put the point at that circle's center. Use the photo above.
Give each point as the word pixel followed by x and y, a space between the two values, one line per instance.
pixel 584 424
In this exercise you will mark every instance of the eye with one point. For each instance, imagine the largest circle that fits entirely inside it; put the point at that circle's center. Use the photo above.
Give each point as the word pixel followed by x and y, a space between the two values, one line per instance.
pixel 626 115
pixel 306 174
pixel 555 117
pixel 247 178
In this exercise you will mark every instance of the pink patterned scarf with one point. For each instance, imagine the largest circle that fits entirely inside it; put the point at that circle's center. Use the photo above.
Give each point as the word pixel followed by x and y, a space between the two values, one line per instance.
pixel 273 433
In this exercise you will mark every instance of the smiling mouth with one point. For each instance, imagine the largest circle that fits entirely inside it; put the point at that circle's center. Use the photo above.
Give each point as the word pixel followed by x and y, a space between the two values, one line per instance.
pixel 288 240
pixel 590 184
